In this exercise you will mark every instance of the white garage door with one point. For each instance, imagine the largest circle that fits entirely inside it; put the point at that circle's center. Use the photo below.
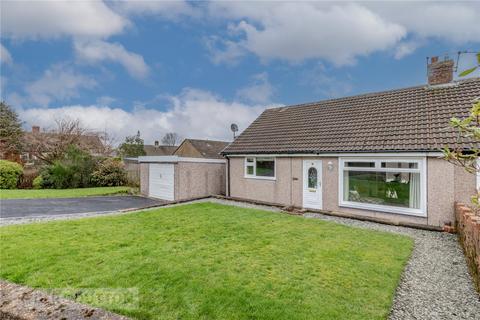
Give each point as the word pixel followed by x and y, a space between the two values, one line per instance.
pixel 161 181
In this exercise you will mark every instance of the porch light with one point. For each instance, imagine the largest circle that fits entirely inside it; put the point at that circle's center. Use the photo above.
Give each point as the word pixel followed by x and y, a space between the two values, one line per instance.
pixel 330 166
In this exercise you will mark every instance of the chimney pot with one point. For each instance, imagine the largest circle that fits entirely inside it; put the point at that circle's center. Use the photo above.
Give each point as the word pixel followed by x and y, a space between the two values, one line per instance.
pixel 35 129
pixel 440 72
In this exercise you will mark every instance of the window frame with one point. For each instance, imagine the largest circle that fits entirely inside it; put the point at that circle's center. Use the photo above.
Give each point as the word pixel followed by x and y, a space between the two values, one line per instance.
pixel 254 164
pixel 422 170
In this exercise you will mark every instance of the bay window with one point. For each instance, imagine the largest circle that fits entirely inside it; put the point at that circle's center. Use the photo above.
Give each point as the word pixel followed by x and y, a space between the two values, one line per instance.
pixel 260 167
pixel 390 185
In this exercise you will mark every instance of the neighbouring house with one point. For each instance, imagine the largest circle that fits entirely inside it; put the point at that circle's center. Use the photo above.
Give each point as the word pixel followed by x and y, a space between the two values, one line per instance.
pixel 158 150
pixel 195 148
pixel 373 155
pixel 32 148
pixel 196 169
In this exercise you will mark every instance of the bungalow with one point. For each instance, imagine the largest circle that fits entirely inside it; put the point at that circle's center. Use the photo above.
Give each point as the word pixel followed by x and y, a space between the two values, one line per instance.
pixel 374 155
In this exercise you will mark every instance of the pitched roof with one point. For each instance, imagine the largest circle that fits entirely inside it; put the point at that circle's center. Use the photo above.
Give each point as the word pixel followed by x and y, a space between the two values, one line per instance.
pixel 151 150
pixel 91 142
pixel 208 148
pixel 410 119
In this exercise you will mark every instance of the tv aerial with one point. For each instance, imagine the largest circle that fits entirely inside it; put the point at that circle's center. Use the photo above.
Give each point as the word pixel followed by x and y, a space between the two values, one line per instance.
pixel 234 129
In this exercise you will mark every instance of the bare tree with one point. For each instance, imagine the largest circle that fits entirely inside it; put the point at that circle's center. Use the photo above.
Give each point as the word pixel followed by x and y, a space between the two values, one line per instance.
pixel 51 145
pixel 107 143
pixel 171 139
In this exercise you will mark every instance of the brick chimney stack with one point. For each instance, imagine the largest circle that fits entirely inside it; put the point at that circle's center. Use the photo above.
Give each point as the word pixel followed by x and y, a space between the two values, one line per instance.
pixel 440 72
pixel 35 129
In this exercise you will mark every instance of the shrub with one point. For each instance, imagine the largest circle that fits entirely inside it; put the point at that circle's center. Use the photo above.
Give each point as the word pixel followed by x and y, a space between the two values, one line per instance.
pixel 73 171
pixel 10 172
pixel 38 182
pixel 26 179
pixel 110 173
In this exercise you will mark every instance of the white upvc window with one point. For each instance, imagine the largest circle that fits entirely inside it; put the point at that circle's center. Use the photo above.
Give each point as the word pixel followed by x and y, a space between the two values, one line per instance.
pixel 260 168
pixel 396 185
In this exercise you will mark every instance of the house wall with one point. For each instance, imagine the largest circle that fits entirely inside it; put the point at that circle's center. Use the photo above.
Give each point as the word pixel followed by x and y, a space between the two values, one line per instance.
pixel 445 184
pixel 285 190
pixel 465 185
pixel 196 179
pixel 186 149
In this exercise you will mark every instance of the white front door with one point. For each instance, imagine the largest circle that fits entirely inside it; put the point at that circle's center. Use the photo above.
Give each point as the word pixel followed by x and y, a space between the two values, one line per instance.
pixel 312 184
pixel 161 181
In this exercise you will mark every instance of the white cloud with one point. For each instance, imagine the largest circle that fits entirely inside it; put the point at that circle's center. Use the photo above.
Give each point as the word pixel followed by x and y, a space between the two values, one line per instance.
pixel 455 22
pixel 224 51
pixel 49 19
pixel 193 113
pixel 259 91
pixel 405 48
pixel 339 32
pixel 98 51
pixel 5 56
pixel 105 100
pixel 165 9
pixel 319 79
pixel 299 31
pixel 58 83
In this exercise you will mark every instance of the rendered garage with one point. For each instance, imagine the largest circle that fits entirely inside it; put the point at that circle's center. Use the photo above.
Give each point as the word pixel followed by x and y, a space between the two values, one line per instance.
pixel 175 178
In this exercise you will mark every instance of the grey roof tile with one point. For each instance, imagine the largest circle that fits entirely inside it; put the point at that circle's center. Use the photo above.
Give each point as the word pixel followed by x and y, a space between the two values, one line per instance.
pixel 410 119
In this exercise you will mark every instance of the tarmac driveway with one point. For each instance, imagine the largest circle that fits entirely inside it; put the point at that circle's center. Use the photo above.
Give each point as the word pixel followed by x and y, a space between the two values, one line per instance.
pixel 26 208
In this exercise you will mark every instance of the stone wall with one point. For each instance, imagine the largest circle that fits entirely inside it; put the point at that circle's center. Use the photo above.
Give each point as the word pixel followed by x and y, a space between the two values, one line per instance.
pixel 24 303
pixel 468 226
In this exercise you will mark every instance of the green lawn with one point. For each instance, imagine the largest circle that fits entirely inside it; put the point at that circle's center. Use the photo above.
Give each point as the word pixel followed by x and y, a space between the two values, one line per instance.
pixel 60 193
pixel 210 261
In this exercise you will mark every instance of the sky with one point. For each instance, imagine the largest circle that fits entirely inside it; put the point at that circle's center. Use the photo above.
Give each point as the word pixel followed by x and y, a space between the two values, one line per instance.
pixel 196 67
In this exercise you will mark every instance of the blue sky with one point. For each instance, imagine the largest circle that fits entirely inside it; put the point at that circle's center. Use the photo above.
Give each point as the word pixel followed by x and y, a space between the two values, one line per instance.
pixel 196 67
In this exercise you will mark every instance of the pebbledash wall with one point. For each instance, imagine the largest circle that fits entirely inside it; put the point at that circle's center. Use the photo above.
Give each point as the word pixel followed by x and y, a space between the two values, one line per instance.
pixel 446 184
pixel 196 179
pixel 192 179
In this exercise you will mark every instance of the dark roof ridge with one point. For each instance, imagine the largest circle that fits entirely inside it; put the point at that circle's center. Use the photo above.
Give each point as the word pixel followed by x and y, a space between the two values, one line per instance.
pixel 376 93
pixel 205 140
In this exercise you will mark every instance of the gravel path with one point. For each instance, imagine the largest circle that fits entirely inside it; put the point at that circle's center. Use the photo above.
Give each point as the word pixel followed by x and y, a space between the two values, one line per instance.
pixel 435 284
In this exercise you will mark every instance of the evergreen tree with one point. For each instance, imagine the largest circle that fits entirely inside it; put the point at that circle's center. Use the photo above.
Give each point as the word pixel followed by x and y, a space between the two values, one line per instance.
pixel 132 147
pixel 11 133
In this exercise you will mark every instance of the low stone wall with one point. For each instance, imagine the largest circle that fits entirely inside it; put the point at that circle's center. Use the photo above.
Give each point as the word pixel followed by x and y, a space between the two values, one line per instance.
pixel 24 303
pixel 468 227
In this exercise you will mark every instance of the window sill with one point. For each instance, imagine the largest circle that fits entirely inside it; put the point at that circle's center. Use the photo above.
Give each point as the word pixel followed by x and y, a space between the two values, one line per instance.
pixel 388 209
pixel 260 178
